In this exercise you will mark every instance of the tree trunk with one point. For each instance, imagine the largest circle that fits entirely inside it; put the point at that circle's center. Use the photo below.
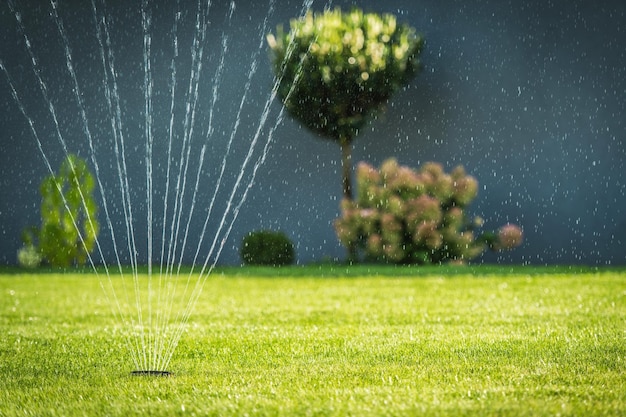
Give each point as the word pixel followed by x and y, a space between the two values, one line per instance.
pixel 346 165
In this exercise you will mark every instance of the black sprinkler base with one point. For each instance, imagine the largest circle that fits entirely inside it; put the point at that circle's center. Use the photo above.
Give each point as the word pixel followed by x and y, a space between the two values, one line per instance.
pixel 151 373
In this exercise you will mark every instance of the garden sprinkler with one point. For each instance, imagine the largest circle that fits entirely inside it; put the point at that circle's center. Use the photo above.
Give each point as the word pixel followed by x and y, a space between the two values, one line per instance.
pixel 151 373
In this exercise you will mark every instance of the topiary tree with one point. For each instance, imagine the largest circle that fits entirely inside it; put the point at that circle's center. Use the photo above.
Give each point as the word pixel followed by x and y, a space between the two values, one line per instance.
pixel 69 228
pixel 265 247
pixel 346 66
pixel 417 217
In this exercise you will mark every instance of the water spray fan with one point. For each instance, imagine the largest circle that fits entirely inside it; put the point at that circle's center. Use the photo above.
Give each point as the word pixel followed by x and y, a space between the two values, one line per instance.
pixel 155 303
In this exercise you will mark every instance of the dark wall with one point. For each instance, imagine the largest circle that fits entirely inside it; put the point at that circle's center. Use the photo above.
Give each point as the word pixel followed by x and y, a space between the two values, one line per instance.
pixel 529 96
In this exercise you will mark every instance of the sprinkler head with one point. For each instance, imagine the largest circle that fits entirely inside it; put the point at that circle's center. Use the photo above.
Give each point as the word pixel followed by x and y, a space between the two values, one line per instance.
pixel 150 373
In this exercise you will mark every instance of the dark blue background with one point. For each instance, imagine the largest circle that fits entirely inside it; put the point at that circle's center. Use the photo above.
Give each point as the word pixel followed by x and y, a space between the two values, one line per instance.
pixel 528 95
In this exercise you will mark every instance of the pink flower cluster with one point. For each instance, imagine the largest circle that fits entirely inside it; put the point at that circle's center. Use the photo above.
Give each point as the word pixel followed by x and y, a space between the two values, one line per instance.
pixel 415 216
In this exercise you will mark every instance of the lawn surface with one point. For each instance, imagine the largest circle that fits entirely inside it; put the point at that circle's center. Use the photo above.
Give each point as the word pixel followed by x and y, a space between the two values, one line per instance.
pixel 330 342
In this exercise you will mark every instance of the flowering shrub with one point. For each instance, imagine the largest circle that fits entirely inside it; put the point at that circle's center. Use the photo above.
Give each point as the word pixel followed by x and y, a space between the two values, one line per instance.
pixel 405 216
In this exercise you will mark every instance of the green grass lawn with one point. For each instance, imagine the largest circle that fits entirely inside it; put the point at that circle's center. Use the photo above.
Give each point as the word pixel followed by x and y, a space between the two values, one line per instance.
pixel 329 341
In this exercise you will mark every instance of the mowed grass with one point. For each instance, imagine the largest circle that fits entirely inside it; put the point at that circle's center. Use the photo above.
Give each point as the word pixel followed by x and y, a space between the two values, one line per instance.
pixel 309 342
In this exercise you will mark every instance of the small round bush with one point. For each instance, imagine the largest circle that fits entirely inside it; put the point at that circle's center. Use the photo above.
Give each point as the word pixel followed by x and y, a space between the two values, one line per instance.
pixel 266 247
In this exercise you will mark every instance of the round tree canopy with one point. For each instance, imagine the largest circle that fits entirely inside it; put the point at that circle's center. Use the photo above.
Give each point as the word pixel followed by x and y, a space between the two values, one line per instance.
pixel 335 68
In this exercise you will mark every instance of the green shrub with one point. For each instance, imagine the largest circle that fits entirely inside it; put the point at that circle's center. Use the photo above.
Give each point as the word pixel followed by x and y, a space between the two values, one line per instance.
pixel 416 217
pixel 266 247
pixel 69 227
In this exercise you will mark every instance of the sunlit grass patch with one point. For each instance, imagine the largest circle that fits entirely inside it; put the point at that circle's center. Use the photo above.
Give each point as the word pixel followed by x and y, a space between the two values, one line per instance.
pixel 524 342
